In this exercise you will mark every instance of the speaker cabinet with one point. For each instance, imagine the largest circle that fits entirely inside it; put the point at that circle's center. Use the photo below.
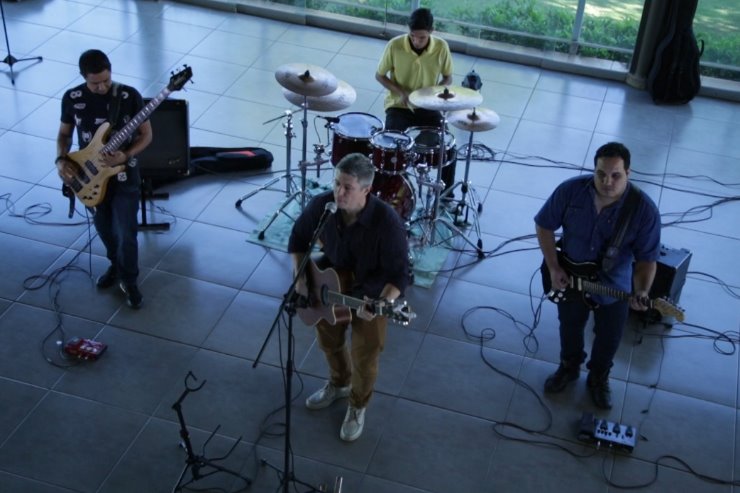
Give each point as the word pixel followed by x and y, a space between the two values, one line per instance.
pixel 168 155
pixel 671 274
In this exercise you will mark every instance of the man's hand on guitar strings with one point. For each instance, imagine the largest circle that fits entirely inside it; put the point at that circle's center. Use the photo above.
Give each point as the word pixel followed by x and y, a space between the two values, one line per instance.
pixel 640 302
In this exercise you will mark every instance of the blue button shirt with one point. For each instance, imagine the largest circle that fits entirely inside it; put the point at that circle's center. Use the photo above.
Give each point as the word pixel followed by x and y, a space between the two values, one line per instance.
pixel 586 234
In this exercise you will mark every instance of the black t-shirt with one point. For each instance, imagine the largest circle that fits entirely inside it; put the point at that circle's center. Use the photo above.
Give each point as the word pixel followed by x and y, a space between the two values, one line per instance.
pixel 87 110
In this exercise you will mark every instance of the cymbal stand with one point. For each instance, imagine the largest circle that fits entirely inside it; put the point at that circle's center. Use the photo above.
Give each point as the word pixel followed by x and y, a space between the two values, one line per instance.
pixel 10 60
pixel 470 199
pixel 290 185
pixel 436 216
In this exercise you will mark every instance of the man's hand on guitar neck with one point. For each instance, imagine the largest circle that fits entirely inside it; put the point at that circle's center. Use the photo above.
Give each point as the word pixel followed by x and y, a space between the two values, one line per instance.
pixel 640 301
pixel 115 158
pixel 367 311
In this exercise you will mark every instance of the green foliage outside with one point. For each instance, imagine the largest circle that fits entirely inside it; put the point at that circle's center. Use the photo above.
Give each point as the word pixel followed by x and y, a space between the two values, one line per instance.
pixel 608 23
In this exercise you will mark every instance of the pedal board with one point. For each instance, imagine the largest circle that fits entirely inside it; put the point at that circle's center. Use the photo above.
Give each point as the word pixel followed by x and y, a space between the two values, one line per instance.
pixel 602 431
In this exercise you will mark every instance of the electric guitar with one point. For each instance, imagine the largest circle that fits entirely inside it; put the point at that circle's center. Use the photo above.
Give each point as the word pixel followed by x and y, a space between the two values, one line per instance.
pixel 89 184
pixel 583 281
pixel 326 300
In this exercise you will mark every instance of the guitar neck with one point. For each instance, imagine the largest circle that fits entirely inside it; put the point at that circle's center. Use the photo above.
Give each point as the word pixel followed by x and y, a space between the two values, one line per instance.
pixel 120 137
pixel 342 299
pixel 596 288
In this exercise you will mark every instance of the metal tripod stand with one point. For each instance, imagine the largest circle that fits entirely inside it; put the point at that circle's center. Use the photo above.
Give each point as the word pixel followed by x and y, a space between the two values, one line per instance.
pixel 10 59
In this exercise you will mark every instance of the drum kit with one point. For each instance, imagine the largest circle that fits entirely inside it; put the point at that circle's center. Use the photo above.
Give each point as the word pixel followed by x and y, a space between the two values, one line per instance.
pixel 397 156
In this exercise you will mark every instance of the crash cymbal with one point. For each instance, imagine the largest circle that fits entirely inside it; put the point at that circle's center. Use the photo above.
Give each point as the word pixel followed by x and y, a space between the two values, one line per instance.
pixel 475 120
pixel 305 79
pixel 341 98
pixel 445 98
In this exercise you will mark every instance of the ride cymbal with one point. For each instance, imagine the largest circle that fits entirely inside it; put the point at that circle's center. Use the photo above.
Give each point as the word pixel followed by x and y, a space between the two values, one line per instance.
pixel 475 120
pixel 305 79
pixel 445 98
pixel 343 97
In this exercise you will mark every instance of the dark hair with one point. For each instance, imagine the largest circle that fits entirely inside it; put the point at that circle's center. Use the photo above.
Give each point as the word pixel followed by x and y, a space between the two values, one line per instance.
pixel 93 62
pixel 613 149
pixel 359 166
pixel 421 20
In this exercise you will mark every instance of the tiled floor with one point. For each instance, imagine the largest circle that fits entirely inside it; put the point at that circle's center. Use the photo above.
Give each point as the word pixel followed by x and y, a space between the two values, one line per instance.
pixel 211 296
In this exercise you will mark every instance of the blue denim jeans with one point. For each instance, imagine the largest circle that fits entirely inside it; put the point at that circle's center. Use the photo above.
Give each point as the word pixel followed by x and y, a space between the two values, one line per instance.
pixel 117 223
pixel 609 321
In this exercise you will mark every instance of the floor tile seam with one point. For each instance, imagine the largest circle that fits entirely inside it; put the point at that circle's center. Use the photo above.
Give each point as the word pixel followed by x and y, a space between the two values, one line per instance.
pixel 687 228
pixel 679 145
pixel 651 389
pixel 407 399
pixel 47 391
pixel 586 98
pixel 561 125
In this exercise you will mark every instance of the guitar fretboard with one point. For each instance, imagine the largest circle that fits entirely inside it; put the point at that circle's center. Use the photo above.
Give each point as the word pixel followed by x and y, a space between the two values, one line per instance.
pixel 120 137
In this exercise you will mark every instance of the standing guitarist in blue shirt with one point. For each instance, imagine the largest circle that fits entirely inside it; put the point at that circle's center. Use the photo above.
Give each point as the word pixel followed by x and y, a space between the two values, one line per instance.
pixel 589 209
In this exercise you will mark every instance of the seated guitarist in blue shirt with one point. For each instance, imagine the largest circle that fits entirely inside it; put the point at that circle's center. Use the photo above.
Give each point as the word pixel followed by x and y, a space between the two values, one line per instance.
pixel 588 208
pixel 367 238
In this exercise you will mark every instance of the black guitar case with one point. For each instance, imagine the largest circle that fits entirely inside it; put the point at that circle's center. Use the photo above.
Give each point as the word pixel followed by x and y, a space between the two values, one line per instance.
pixel 227 159
pixel 674 76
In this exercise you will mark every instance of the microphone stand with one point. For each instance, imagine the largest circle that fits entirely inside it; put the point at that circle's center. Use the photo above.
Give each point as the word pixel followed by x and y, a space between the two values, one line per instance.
pixel 10 59
pixel 289 305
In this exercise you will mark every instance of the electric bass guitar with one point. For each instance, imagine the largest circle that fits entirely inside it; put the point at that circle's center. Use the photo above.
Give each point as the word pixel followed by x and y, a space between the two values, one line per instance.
pixel 583 281
pixel 89 184
pixel 327 301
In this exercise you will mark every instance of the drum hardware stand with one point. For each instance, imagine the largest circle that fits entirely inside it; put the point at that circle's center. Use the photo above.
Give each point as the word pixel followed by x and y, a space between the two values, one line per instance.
pixel 290 302
pixel 436 216
pixel 196 462
pixel 10 60
pixel 290 185
pixel 469 199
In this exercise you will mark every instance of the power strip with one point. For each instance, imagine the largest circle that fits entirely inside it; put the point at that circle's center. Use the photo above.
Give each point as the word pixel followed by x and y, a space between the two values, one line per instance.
pixel 606 432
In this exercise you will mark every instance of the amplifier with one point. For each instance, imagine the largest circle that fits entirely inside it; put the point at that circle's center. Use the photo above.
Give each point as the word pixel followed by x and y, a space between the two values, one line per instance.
pixel 168 155
pixel 671 274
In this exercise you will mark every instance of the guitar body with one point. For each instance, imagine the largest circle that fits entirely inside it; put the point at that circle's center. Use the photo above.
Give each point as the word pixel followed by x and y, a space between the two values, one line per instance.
pixel 321 281
pixel 583 280
pixel 93 174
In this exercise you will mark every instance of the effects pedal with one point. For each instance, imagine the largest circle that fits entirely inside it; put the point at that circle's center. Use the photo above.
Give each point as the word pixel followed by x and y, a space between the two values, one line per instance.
pixel 606 432
pixel 85 349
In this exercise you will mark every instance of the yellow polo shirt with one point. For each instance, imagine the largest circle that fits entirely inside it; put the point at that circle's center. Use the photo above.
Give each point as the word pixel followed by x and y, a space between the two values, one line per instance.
pixel 412 71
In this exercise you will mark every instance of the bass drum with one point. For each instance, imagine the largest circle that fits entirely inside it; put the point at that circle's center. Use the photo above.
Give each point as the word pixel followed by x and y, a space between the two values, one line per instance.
pixel 396 191
pixel 352 134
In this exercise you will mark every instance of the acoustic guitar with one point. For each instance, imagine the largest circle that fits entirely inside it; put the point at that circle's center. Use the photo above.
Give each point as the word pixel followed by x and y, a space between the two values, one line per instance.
pixel 583 281
pixel 327 301
pixel 89 184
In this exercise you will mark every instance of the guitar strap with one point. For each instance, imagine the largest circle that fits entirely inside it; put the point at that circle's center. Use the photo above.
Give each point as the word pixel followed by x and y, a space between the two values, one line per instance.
pixel 115 106
pixel 631 202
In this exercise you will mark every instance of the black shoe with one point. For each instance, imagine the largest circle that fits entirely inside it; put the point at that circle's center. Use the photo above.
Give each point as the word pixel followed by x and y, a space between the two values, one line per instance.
pixel 133 295
pixel 598 387
pixel 108 278
pixel 565 374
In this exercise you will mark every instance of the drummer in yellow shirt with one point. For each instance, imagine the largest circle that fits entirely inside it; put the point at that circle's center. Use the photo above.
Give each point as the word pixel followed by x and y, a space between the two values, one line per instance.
pixel 413 61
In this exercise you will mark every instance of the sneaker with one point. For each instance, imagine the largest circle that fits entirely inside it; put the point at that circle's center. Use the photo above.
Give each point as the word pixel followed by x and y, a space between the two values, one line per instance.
pixel 326 395
pixel 133 295
pixel 354 422
pixel 108 278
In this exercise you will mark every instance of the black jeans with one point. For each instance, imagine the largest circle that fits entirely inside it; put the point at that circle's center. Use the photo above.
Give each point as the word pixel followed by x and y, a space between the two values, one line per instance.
pixel 609 321
pixel 117 223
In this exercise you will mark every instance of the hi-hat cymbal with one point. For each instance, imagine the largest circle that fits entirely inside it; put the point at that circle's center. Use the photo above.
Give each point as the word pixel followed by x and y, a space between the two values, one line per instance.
pixel 475 120
pixel 343 97
pixel 305 79
pixel 445 98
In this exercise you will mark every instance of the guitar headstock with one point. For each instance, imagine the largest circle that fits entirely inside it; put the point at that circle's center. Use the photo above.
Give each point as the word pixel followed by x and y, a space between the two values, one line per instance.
pixel 398 312
pixel 178 79
pixel 668 309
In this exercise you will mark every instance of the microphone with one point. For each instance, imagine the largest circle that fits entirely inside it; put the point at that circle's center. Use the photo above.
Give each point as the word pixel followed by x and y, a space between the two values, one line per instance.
pixel 330 207
pixel 330 119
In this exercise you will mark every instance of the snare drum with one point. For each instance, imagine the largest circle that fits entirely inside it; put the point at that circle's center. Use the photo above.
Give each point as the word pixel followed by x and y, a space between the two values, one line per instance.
pixel 396 191
pixel 390 149
pixel 426 146
pixel 352 134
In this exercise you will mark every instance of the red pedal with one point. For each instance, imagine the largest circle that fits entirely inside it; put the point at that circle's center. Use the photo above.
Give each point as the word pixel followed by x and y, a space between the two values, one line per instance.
pixel 86 349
